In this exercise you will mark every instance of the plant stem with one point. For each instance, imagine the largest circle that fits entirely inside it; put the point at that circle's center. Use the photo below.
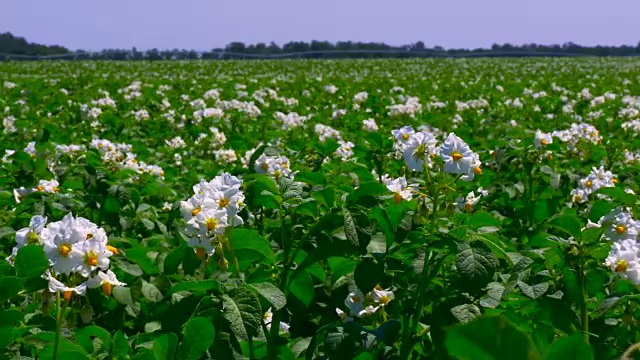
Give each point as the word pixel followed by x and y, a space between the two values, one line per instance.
pixel 272 350
pixel 584 314
pixel 251 351
pixel 56 345
pixel 410 326
pixel 630 350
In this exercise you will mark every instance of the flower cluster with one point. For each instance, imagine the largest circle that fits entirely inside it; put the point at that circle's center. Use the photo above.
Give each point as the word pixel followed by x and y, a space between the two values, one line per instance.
pixel 468 202
pixel 624 258
pixel 542 139
pixel 213 208
pixel 77 251
pixel 578 132
pixel 411 107
pixel 345 151
pixel 325 132
pixel 420 148
pixel 598 178
pixel 401 189
pixel 290 120
pixel 44 186
pixel 361 305
pixel 276 166
pixel 121 155
pixel 268 319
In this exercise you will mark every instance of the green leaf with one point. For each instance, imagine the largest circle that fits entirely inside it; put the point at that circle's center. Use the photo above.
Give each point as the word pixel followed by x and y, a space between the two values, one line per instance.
pixel 120 348
pixel 111 205
pixel 599 209
pixel 357 228
pixel 569 224
pixel 9 334
pixel 367 275
pixel 10 286
pixel 45 340
pixel 372 188
pixel 197 287
pixel 6 231
pixel 174 259
pixel 570 348
pixel 476 261
pixel 465 313
pixel 31 261
pixel 96 332
pixel 139 256
pixel 122 295
pixel 534 291
pixel 150 292
pixel 164 347
pixel 72 355
pixel 243 312
pixel 489 338
pixel 617 194
pixel 311 178
pixel 249 247
pixel 341 266
pixel 481 219
pixel 198 336
pixel 301 286
pixel 272 294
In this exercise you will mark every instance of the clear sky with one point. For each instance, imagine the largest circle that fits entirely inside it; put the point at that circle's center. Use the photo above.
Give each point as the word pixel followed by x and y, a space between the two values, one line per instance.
pixel 206 24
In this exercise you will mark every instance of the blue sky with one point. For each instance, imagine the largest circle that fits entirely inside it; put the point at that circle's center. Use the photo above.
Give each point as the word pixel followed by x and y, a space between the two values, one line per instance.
pixel 205 24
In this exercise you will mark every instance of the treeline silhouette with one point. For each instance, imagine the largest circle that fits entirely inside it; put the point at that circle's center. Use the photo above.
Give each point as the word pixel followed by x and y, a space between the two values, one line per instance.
pixel 11 44
pixel 17 48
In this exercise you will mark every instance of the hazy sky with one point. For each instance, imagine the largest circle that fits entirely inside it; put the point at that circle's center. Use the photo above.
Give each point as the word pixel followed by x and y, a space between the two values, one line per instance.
pixel 205 24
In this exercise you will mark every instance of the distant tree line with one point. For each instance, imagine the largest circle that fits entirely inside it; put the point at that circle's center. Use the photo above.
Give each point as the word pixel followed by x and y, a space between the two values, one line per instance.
pixel 11 44
pixel 16 48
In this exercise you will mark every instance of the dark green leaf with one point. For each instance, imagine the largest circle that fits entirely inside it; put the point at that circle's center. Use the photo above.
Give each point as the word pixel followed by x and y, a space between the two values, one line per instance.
pixel 198 336
pixel 31 261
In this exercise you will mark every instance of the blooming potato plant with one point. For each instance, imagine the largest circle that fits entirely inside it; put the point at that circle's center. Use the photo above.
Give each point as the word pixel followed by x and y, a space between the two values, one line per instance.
pixel 357 209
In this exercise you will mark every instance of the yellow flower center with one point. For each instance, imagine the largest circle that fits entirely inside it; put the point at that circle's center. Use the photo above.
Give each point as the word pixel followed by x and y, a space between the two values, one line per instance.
pixel 91 259
pixel 211 224
pixel 477 171
pixel 200 254
pixel 614 180
pixel 356 299
pixel 32 238
pixel 577 198
pixel 113 249
pixel 405 136
pixel 39 188
pixel 543 142
pixel 196 211
pixel 100 146
pixel 589 183
pixel 67 295
pixel 64 249
pixel 378 287
pixel 89 236
pixel 106 288
pixel 456 156
pixel 265 166
pixel 385 299
pixel 621 266
pixel 620 229
pixel 223 202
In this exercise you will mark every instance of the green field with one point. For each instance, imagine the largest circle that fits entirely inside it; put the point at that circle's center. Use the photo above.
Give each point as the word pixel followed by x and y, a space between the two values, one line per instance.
pixel 371 209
